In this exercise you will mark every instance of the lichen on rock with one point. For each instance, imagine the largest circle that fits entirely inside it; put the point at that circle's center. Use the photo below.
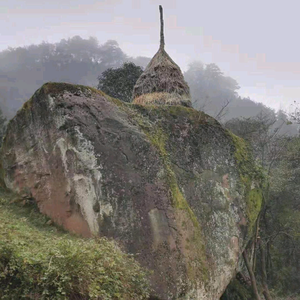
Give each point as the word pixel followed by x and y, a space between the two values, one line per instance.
pixel 169 183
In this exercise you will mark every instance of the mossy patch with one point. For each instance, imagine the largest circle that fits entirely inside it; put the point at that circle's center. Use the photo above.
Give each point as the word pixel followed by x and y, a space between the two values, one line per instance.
pixel 60 87
pixel 169 112
pixel 27 105
pixel 252 178
pixel 158 139
pixel 254 204
pixel 193 243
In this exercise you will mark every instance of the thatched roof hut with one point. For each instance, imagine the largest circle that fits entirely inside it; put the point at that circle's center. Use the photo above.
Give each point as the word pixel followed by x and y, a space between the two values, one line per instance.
pixel 162 81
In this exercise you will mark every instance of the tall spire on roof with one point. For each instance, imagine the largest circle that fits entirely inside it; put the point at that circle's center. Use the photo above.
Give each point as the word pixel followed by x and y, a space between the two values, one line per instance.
pixel 162 37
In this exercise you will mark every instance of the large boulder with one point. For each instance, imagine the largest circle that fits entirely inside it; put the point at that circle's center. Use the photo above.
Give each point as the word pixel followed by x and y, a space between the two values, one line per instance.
pixel 169 183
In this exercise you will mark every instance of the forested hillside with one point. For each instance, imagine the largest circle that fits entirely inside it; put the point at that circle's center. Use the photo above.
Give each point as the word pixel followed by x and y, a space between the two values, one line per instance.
pixel 81 61
pixel 217 95
pixel 76 60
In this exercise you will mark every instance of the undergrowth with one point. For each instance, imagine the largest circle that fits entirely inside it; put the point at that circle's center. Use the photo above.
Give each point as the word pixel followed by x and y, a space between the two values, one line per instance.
pixel 40 261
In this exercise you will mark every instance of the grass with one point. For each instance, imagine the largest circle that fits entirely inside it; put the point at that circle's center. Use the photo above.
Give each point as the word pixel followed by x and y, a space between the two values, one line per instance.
pixel 41 261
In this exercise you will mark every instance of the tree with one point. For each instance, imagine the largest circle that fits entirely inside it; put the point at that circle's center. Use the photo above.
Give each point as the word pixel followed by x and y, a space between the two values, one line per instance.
pixel 119 82
pixel 211 91
pixel 2 126
pixel 274 253
pixel 283 222
pixel 74 60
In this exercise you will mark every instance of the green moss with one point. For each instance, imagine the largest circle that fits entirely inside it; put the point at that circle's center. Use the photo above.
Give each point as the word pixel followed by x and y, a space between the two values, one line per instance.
pixel 243 159
pixel 252 178
pixel 254 205
pixel 197 263
pixel 39 261
pixel 179 200
pixel 158 139
pixel 27 105
pixel 167 112
pixel 60 87
pixel 176 110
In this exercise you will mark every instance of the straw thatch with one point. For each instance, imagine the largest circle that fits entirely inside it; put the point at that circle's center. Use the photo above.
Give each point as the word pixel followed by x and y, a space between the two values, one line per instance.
pixel 163 98
pixel 162 76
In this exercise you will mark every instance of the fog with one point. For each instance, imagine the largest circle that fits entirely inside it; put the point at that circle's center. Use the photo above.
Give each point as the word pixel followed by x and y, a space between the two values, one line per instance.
pixel 254 43
pixel 241 62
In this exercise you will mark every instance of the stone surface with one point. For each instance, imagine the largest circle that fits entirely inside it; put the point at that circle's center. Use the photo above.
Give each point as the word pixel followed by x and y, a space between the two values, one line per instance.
pixel 167 182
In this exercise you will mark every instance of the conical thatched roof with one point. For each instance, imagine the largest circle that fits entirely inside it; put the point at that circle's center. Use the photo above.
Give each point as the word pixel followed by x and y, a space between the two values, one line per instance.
pixel 162 81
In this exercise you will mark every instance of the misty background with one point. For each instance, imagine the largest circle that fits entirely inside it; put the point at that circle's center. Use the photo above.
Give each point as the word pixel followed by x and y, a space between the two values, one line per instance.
pixel 239 60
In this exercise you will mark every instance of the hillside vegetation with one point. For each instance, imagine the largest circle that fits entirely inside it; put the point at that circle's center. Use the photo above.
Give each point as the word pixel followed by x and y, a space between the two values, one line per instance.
pixel 40 261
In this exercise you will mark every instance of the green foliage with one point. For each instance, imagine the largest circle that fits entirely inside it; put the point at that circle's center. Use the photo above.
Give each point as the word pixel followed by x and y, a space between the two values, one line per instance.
pixel 119 82
pixel 37 261
pixel 2 126
pixel 254 205
pixel 282 226
pixel 279 225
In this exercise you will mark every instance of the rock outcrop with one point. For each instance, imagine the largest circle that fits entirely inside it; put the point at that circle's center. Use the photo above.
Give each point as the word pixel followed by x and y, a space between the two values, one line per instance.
pixel 169 183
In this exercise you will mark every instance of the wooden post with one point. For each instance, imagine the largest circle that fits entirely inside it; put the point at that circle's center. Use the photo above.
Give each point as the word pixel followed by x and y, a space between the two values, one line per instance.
pixel 162 38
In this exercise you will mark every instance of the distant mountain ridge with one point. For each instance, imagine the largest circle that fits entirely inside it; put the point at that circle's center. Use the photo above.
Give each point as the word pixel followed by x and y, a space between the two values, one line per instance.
pixel 80 61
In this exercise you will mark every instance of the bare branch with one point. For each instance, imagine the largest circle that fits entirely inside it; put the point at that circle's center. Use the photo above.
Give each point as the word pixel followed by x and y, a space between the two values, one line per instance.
pixel 222 111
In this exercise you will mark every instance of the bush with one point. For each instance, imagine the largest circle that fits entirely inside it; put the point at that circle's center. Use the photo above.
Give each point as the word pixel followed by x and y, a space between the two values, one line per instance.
pixel 37 261
pixel 119 82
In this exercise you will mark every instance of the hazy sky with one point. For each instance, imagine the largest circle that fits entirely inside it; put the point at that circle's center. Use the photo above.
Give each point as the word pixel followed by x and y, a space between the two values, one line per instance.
pixel 256 42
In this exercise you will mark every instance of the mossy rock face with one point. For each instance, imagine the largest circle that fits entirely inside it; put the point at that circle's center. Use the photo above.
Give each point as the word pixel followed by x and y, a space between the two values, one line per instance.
pixel 169 183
